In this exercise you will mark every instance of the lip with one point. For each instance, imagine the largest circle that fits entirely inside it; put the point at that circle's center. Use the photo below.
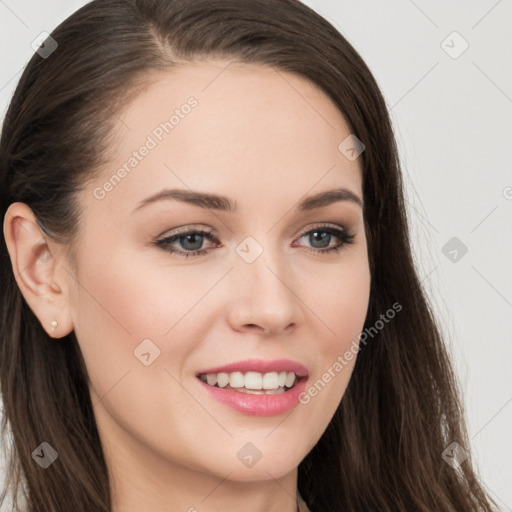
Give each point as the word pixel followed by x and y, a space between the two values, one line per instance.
pixel 261 366
pixel 257 405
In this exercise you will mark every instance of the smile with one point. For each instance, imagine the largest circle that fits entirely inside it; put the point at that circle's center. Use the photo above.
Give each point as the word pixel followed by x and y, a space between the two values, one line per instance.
pixel 270 383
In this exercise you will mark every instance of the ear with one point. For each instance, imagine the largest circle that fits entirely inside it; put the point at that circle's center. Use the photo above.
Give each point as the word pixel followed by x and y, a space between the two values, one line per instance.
pixel 35 263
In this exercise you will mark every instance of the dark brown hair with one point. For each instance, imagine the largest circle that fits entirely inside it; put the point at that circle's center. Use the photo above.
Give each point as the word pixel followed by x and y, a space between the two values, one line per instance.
pixel 382 449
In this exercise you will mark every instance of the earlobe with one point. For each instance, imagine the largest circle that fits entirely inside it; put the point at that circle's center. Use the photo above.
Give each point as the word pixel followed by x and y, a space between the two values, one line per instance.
pixel 34 265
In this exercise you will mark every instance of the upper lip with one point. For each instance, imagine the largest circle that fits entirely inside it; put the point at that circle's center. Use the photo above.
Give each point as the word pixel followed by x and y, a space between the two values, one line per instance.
pixel 261 366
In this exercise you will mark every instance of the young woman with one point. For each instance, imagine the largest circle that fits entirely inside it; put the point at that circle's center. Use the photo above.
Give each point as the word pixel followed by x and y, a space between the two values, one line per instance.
pixel 209 300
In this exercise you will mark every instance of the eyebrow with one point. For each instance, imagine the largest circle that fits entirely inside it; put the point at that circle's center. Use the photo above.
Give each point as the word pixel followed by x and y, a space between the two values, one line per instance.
pixel 222 203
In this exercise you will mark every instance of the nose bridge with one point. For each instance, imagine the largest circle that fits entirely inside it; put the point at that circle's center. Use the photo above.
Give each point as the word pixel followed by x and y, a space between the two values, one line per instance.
pixel 264 285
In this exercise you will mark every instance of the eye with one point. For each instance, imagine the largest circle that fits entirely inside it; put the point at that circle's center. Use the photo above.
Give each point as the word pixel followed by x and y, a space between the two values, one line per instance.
pixel 191 240
pixel 321 237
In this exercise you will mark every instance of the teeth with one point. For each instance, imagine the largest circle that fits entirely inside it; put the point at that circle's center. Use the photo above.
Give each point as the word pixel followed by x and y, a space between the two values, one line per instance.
pixel 222 380
pixel 236 380
pixel 271 380
pixel 254 380
pixel 251 380
pixel 290 379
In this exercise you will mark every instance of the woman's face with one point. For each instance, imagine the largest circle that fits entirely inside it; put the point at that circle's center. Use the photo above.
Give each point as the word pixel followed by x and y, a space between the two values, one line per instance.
pixel 149 320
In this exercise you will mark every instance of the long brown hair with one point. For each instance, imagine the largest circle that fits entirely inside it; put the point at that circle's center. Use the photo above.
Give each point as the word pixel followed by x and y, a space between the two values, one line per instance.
pixel 382 451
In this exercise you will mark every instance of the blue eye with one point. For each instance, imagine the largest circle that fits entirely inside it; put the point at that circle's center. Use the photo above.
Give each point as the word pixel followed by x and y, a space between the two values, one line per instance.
pixel 192 240
pixel 324 235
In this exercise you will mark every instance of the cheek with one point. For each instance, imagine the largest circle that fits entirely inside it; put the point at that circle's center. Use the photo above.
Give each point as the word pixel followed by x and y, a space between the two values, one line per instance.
pixel 121 302
pixel 340 302
pixel 129 298
pixel 352 299
pixel 341 309
pixel 125 303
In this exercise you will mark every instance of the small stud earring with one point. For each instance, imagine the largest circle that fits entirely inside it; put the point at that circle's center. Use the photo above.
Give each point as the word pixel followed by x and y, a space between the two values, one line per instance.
pixel 54 325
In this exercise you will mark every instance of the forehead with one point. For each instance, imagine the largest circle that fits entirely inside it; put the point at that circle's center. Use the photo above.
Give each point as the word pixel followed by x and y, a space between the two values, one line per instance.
pixel 229 127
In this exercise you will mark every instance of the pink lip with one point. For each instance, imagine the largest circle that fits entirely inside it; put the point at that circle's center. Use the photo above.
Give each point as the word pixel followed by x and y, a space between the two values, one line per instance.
pixel 258 405
pixel 261 366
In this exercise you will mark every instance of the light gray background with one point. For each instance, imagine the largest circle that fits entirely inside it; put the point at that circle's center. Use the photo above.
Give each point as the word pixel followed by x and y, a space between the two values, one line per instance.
pixel 453 122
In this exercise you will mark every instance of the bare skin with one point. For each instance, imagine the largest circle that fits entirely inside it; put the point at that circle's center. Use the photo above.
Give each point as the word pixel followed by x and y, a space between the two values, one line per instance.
pixel 263 139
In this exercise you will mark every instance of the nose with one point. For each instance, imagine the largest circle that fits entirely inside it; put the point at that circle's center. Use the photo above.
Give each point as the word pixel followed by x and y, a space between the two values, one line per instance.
pixel 263 297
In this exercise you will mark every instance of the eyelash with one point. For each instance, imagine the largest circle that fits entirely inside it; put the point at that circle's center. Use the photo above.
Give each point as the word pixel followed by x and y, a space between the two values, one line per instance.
pixel 344 235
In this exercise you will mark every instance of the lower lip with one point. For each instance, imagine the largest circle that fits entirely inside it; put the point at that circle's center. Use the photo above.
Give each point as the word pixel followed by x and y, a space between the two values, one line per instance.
pixel 257 405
